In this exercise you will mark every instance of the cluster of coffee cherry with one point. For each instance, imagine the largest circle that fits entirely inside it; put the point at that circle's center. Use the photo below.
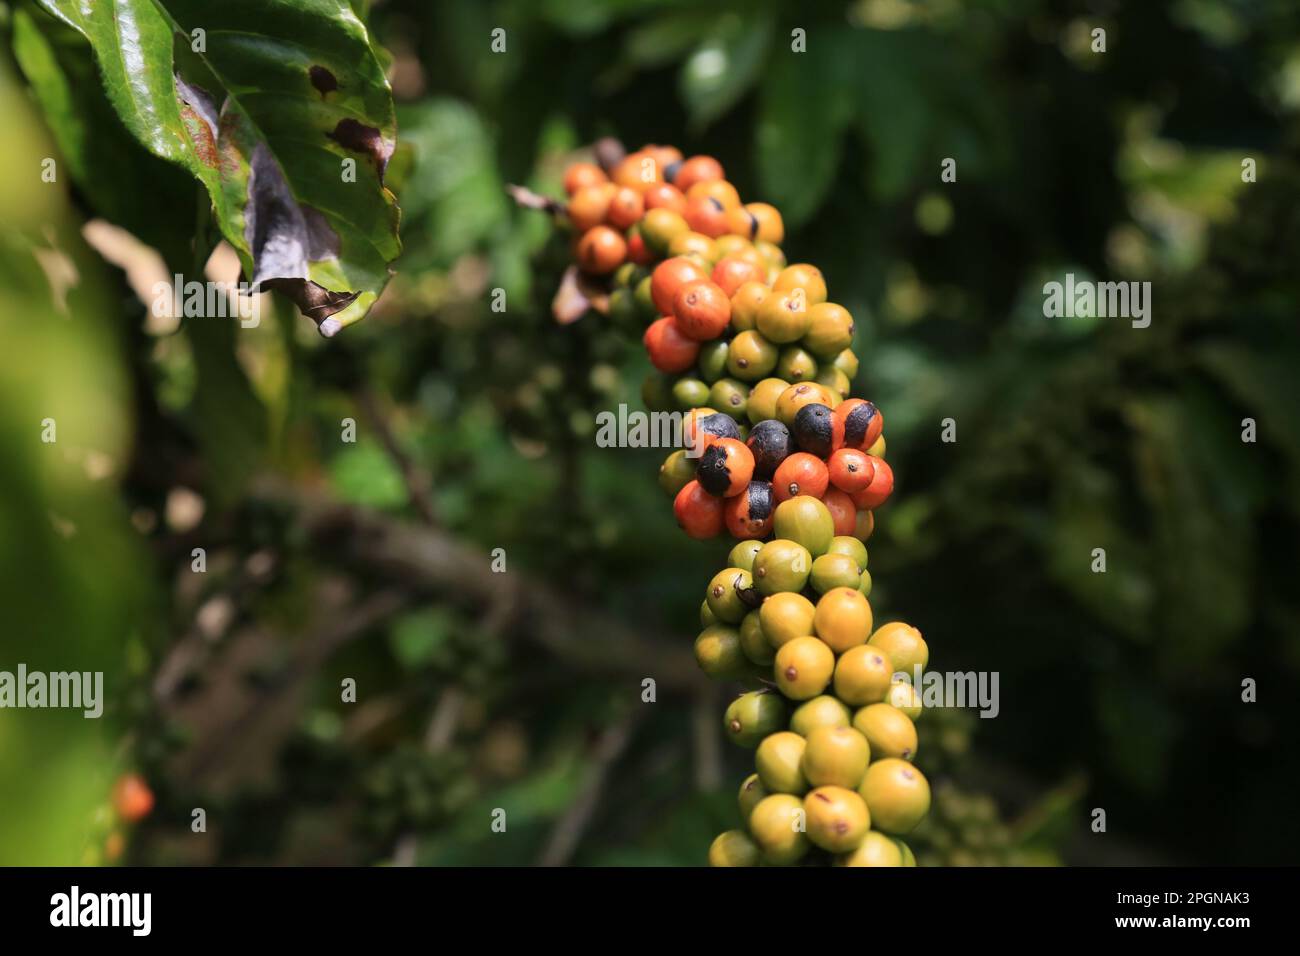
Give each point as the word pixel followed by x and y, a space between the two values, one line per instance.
pixel 775 452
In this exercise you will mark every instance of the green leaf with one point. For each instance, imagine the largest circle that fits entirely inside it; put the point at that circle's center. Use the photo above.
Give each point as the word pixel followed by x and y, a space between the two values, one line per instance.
pixel 724 66
pixel 263 101
pixel 109 167
pixel 805 105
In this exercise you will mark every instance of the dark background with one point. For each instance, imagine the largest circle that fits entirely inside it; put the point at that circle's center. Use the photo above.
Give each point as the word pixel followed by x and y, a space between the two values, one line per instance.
pixel 521 691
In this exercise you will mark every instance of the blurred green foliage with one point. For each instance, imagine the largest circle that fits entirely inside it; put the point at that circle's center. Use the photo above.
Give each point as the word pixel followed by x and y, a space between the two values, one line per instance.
pixel 1119 690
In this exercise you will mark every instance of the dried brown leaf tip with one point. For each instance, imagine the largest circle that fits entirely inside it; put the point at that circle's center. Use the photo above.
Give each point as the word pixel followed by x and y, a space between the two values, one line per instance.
pixel 576 294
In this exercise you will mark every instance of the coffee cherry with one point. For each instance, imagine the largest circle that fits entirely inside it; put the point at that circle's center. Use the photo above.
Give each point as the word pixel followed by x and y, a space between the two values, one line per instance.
pixel 771 228
pixel 706 614
pixel 664 156
pixel 797 396
pixel 776 824
pixel 730 396
pixel 625 208
pixel 696 169
pixel 803 667
pixel 726 468
pixel 670 350
pixel 844 515
pixel 583 174
pixel 676 472
pixel 843 621
pixel 830 330
pixel 132 798
pixel 702 310
pixel 703 426
pixel 751 794
pixel 637 171
pixel 897 795
pixel 837 818
pixel 690 393
pixel 814 430
pixel 698 513
pixel 589 206
pixel 695 246
pixel 742 554
pixel 880 488
pixel 719 654
pixel 904 696
pixel 800 474
pixel 876 849
pixel 660 226
pixel 805 520
pixel 712 360
pixel 863 525
pixel 785 616
pixel 706 215
pixel 762 401
pixel 601 250
pixel 832 571
pixel 782 316
pixel 805 277
pixel 727 595
pixel 888 730
pixel 753 716
pixel 855 549
pixel 732 272
pixel 781 565
pixel 860 422
pixel 669 277
pixel 734 848
pixel 753 642
pixel 770 443
pixel 832 378
pixel 797 365
pixel 665 196
pixel 751 357
pixel 863 675
pixel 745 302
pixel 850 470
pixel 847 362
pixel 823 711
pixel 835 756
pixel 903 643
pixel 779 760
pixel 750 513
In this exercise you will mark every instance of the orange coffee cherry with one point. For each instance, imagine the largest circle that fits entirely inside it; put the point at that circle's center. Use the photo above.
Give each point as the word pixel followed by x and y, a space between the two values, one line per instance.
pixel 665 196
pixel 880 488
pixel 670 350
pixel 601 250
pixel 844 515
pixel 718 189
pixel 583 174
pixel 698 513
pixel 800 474
pixel 702 310
pixel 625 208
pixel 851 469
pixel 732 272
pixel 705 214
pixel 696 169
pixel 132 798
pixel 668 278
pixel 589 205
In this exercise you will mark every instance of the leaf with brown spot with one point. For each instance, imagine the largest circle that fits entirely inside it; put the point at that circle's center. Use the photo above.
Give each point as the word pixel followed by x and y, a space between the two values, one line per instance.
pixel 281 202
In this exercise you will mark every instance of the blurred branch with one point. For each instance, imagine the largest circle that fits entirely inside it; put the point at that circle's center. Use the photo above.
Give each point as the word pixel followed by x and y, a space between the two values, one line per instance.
pixel 429 559
pixel 568 830
pixel 706 739
pixel 416 479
